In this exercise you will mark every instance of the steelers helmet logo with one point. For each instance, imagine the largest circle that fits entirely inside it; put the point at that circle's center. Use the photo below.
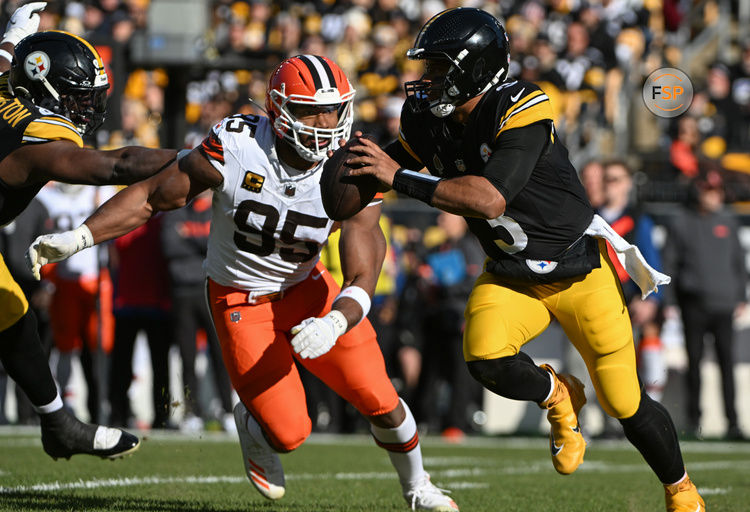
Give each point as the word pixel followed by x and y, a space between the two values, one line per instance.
pixel 37 65
pixel 485 152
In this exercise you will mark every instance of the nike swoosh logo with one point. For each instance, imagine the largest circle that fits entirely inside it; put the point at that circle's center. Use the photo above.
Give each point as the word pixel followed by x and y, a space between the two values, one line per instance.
pixel 553 448
pixel 515 98
pixel 576 429
pixel 315 277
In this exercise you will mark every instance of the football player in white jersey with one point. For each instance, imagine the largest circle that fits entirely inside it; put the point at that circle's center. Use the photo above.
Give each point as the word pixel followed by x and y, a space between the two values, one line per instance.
pixel 270 298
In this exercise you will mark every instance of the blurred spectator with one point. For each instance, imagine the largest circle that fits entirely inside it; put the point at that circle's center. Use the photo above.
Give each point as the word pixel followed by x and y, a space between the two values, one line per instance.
pixel 380 75
pixel 81 305
pixel 741 95
pixel 141 303
pixel 707 264
pixel 580 58
pixel 592 177
pixel 683 150
pixel 15 238
pixel 726 117
pixel 184 239
pixel 451 268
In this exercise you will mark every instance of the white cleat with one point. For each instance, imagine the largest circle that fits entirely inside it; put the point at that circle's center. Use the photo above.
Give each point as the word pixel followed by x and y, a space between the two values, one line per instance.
pixel 424 495
pixel 262 464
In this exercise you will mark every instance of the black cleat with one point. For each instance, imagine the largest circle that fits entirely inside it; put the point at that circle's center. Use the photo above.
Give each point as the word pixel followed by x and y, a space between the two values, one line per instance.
pixel 63 436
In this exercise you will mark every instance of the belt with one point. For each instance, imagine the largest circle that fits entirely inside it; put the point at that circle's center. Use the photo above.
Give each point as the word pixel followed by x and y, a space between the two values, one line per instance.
pixel 237 297
pixel 262 299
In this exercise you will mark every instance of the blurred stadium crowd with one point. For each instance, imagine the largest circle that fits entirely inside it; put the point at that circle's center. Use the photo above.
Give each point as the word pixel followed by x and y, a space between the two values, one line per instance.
pixel 591 57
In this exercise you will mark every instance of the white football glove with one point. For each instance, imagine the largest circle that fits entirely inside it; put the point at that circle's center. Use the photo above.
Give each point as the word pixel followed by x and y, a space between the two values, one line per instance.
pixel 57 247
pixel 23 22
pixel 313 337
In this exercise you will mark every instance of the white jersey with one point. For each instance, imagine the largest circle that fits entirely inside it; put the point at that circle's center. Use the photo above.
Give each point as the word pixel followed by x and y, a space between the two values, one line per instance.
pixel 68 206
pixel 267 227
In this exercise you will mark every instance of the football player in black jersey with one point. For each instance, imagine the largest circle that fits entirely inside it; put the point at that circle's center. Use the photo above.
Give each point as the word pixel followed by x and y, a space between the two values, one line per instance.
pixel 54 93
pixel 493 156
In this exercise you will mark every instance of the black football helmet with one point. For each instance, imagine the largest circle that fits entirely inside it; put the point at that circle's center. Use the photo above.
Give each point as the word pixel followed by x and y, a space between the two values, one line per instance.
pixel 62 73
pixel 473 46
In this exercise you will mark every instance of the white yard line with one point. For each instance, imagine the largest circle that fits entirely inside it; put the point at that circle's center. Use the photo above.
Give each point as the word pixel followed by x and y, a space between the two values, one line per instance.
pixel 442 475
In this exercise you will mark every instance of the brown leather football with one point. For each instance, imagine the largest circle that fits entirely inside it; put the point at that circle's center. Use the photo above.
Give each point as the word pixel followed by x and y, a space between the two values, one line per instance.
pixel 344 195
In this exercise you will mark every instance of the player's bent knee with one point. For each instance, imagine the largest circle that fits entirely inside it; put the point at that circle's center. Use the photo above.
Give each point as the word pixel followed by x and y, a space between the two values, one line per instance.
pixel 619 390
pixel 620 410
pixel 505 376
pixel 644 412
pixel 391 419
pixel 285 437
pixel 622 405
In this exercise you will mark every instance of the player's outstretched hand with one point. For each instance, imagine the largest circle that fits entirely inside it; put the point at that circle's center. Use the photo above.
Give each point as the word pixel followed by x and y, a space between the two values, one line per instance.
pixel 373 160
pixel 57 247
pixel 23 22
pixel 313 337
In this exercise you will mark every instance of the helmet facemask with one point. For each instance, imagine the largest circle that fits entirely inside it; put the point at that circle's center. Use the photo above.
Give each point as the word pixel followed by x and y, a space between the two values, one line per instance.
pixel 290 128
pixel 86 108
pixel 434 95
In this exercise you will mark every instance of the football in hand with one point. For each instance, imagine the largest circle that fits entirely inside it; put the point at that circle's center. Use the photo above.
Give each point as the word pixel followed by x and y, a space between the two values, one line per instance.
pixel 344 195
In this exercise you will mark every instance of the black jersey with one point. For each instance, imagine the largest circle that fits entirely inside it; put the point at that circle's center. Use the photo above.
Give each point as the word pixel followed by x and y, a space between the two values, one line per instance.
pixel 22 122
pixel 547 215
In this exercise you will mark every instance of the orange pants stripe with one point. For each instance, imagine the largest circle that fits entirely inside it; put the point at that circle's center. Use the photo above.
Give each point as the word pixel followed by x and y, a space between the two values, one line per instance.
pixel 255 343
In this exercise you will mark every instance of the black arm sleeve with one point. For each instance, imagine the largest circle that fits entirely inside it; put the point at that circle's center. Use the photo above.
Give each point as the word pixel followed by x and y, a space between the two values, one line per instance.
pixel 514 157
pixel 401 156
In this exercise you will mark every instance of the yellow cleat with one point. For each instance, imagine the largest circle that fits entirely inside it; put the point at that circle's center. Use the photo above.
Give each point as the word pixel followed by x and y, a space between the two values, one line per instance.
pixel 566 442
pixel 683 497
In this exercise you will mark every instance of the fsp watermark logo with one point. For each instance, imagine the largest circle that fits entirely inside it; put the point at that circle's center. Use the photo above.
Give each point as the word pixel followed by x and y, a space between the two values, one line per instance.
pixel 668 92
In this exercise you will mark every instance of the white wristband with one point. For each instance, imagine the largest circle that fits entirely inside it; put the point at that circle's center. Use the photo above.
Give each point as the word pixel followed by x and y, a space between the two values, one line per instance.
pixel 83 237
pixel 6 55
pixel 357 294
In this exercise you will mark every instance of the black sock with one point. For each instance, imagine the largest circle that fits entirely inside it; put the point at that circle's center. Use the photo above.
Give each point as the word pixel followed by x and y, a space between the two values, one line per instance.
pixel 652 432
pixel 515 377
pixel 24 359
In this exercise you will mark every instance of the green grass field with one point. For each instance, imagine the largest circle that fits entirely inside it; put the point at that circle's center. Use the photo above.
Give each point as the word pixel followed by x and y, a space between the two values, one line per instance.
pixel 174 473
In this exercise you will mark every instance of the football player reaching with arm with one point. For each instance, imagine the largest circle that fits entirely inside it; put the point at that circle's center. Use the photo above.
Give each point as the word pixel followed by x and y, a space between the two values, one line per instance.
pixel 271 299
pixel 52 94
pixel 493 156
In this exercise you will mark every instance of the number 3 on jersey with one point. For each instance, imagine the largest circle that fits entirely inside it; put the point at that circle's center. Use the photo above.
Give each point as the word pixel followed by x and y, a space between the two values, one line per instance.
pixel 268 232
pixel 504 226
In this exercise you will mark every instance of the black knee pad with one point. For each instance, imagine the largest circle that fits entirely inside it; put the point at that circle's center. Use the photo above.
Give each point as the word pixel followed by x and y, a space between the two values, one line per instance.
pixel 515 377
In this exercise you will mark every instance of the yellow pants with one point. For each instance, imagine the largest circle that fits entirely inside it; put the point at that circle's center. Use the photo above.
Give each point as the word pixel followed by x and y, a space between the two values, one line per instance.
pixel 591 309
pixel 13 304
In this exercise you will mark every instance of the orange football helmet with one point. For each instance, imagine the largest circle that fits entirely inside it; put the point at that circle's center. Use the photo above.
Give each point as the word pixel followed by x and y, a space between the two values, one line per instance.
pixel 309 80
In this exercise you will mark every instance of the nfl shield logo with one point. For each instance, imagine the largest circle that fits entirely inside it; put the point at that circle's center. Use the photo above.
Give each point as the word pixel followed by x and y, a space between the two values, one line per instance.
pixel 235 316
